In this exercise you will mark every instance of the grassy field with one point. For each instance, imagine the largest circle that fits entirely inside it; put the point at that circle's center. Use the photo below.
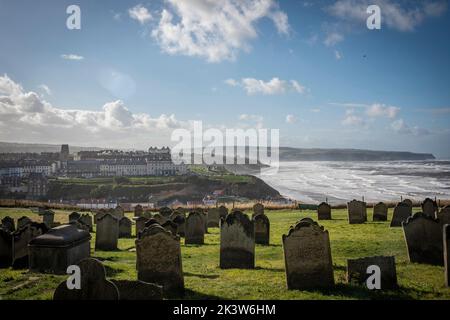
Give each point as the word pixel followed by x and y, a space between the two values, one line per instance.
pixel 205 280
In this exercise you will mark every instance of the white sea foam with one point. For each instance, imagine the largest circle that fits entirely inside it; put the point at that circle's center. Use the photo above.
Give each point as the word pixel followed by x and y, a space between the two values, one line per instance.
pixel 315 181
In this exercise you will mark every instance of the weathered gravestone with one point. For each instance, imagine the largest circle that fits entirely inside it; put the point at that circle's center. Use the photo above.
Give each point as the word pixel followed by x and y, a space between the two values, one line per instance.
pixel 444 216
pixel 150 222
pixel 74 216
pixel 59 248
pixel 107 233
pixel 147 214
pixel 262 229
pixel 140 224
pixel 94 285
pixel 357 271
pixel 257 209
pixel 447 254
pixel 408 202
pixel 171 226
pixel 86 219
pixel 6 240
pixel 138 211
pixel 23 221
pixel 423 236
pixel 8 224
pixel 204 216
pixel 307 256
pixel 223 212
pixel 402 211
pixel 195 228
pixel 180 219
pixel 213 217
pixel 165 212
pixel 160 218
pixel 98 215
pixel 324 211
pixel 429 208
pixel 125 226
pixel 48 217
pixel 158 259
pixel 237 242
pixel 118 212
pixel 357 212
pixel 138 290
pixel 21 239
pixel 80 225
pixel 380 212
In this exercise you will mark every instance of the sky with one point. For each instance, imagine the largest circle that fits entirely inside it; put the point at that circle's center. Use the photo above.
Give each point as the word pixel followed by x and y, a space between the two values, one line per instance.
pixel 137 70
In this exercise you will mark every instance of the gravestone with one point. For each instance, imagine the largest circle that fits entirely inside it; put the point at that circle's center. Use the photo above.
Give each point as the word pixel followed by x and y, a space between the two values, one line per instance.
pixel 213 217
pixel 262 229
pixel 171 226
pixel 125 226
pixel 237 241
pixel 444 216
pixel 118 212
pixel 8 224
pixel 80 225
pixel 107 233
pixel 160 218
pixel 195 228
pixel 307 256
pixel 48 217
pixel 357 271
pixel 140 224
pixel 98 215
pixel 447 254
pixel 223 212
pixel 158 259
pixel 380 212
pixel 204 216
pixel 20 240
pixel 87 220
pixel 94 285
pixel 324 211
pixel 423 236
pixel 6 240
pixel 402 211
pixel 151 221
pixel 357 212
pixel 138 290
pixel 165 212
pixel 429 208
pixel 138 210
pixel 59 248
pixel 257 209
pixel 74 216
pixel 408 202
pixel 23 221
pixel 147 214
pixel 180 219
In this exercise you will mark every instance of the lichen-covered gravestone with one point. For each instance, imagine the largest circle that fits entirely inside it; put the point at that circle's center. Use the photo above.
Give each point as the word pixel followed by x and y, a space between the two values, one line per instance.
pixel 107 233
pixel 180 219
pixel 307 256
pixel 429 208
pixel 138 210
pixel 357 212
pixel 357 271
pixel 257 209
pixel 171 226
pixel 423 236
pixel 237 242
pixel 125 226
pixel 8 224
pixel 380 212
pixel 158 255
pixel 447 254
pixel 195 228
pixel 94 285
pixel 165 212
pixel 160 218
pixel 262 229
pixel 213 217
pixel 402 211
pixel 324 211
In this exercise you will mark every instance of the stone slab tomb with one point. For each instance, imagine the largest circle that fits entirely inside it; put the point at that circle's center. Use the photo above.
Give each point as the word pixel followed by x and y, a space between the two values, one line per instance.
pixel 357 271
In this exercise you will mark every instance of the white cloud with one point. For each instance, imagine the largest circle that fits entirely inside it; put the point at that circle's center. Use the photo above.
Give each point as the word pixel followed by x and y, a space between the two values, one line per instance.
pixel 337 55
pixel 214 30
pixel 333 38
pixel 72 57
pixel 26 116
pixel 290 118
pixel 140 14
pixel 254 118
pixel 381 110
pixel 272 87
pixel 353 120
pixel 399 126
pixel 394 15
pixel 46 89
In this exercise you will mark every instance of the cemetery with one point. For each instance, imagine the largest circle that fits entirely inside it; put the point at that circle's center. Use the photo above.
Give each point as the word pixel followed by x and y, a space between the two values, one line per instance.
pixel 249 254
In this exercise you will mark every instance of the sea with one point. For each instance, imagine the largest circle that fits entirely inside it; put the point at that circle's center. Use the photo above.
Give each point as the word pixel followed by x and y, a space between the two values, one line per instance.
pixel 338 182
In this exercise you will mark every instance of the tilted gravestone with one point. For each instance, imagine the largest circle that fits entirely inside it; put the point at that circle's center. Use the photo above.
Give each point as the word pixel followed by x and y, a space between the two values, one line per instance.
pixel 357 212
pixel 307 256
pixel 158 259
pixel 138 210
pixel 402 211
pixel 257 209
pixel 94 285
pixel 87 220
pixel 74 216
pixel 21 239
pixel 262 229
pixel 171 226
pixel 8 224
pixel 6 240
pixel 195 228
pixel 140 224
pixel 429 208
pixel 380 212
pixel 237 242
pixel 444 216
pixel 107 234
pixel 180 219
pixel 324 211
pixel 447 254
pixel 357 271
pixel 138 290
pixel 423 236
pixel 125 226
pixel 165 212
pixel 23 221
pixel 213 217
